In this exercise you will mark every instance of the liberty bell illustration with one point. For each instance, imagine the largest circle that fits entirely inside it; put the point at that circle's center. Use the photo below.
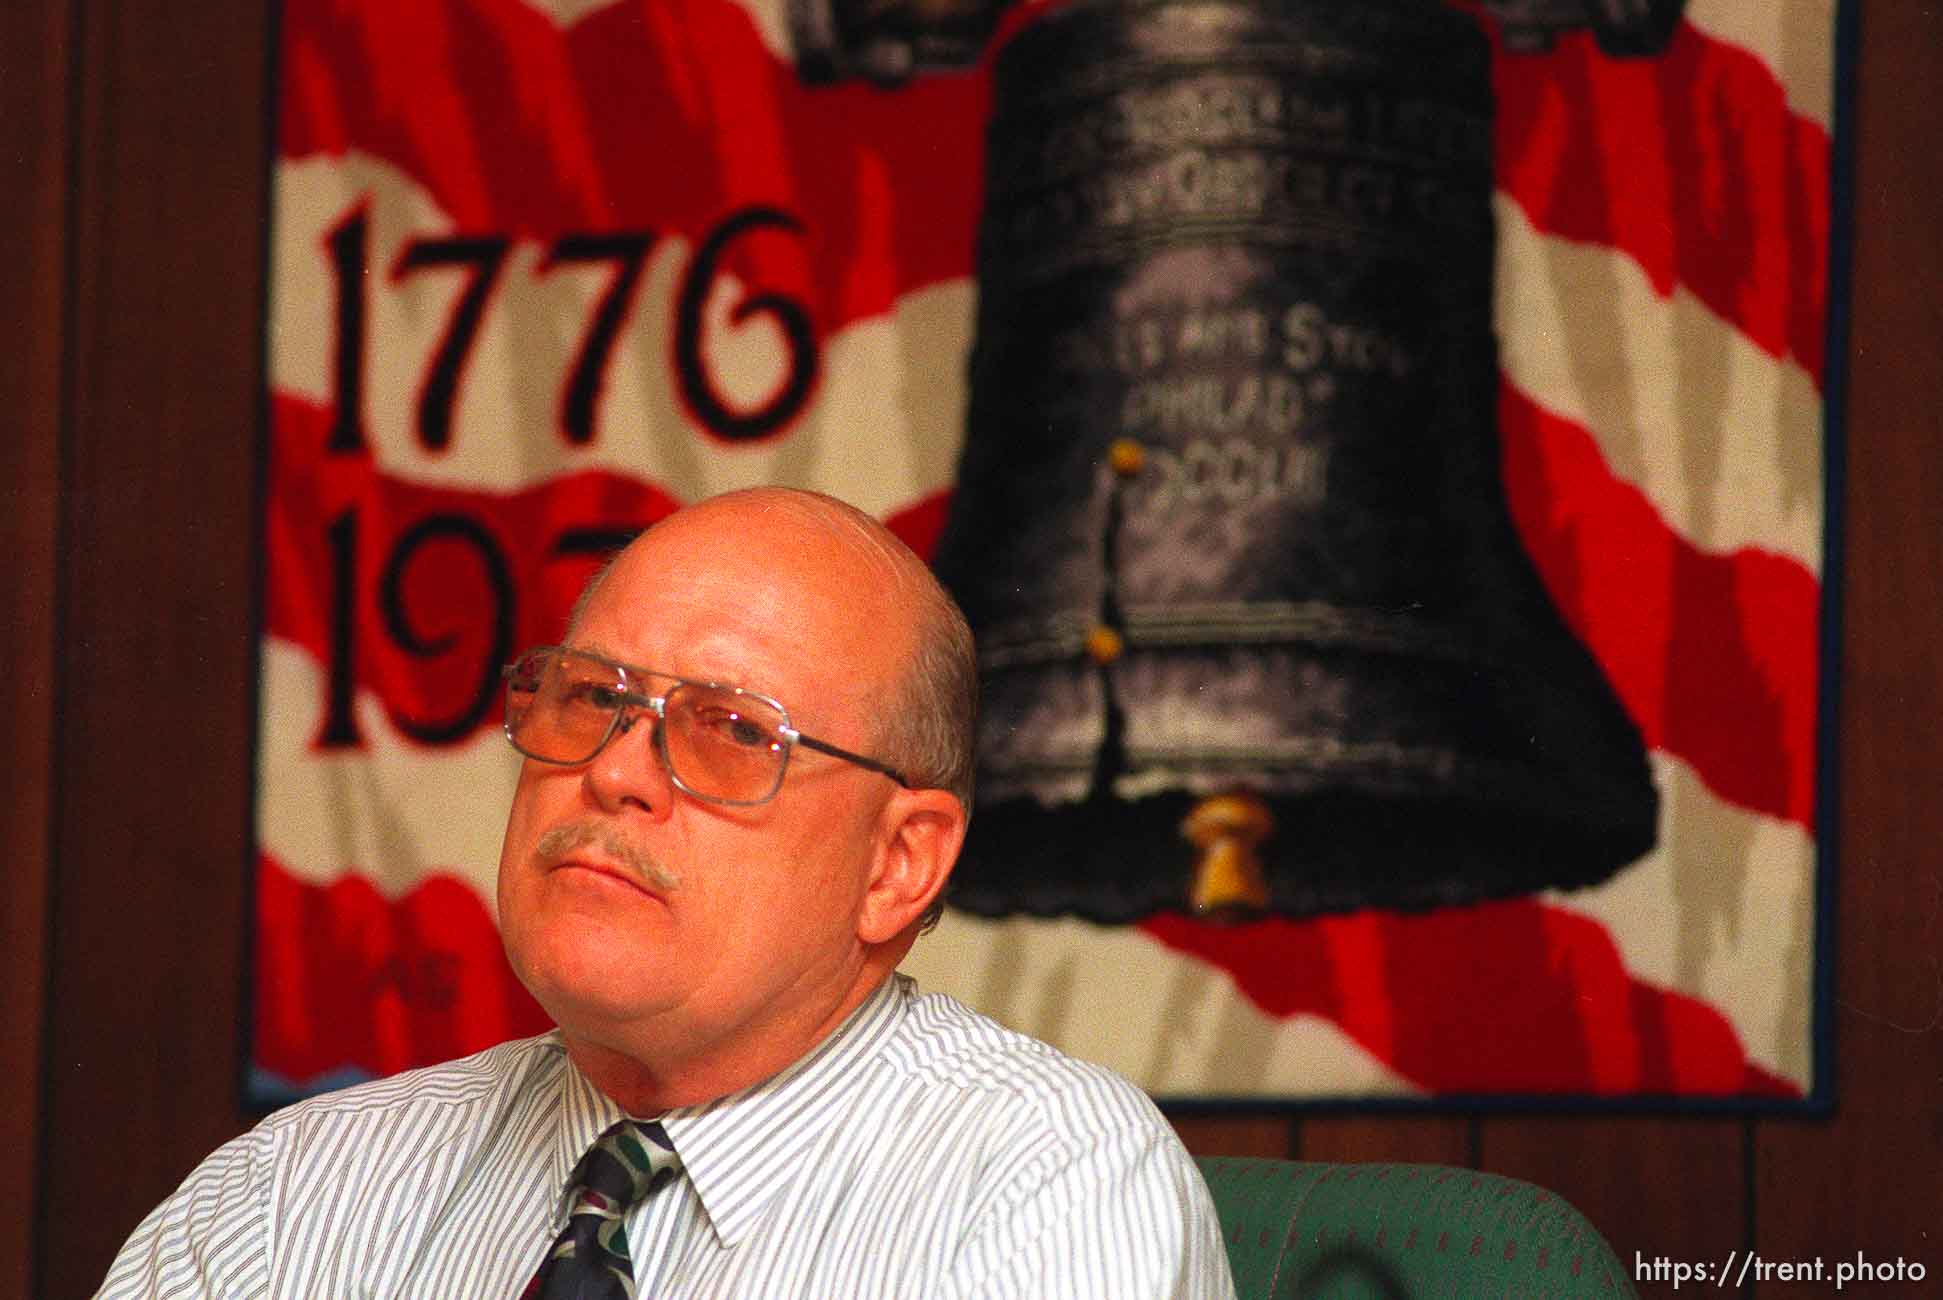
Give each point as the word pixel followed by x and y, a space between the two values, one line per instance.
pixel 1256 633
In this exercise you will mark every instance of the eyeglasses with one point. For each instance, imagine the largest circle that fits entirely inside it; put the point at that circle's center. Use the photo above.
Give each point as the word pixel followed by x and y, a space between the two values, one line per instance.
pixel 719 743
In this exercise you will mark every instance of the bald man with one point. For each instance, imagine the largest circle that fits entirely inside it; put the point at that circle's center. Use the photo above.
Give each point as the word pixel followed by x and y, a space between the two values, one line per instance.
pixel 746 777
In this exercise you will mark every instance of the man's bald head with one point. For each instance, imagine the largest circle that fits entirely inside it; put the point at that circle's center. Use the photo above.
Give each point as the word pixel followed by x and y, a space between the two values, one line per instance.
pixel 927 723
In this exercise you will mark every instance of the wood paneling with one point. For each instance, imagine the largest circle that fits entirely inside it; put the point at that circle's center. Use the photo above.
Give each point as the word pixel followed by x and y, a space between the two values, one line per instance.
pixel 1428 1140
pixel 1872 1181
pixel 1672 1187
pixel 1236 1134
pixel 33 177
pixel 154 680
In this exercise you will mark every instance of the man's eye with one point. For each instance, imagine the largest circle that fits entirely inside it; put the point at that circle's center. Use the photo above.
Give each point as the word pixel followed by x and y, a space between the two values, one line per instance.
pixel 594 695
pixel 731 727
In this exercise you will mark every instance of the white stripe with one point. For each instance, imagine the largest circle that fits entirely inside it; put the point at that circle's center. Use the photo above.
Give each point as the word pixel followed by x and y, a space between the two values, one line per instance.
pixel 1795 38
pixel 568 12
pixel 391 812
pixel 882 429
pixel 1117 997
pixel 1722 910
pixel 1725 440
pixel 565 13
pixel 772 24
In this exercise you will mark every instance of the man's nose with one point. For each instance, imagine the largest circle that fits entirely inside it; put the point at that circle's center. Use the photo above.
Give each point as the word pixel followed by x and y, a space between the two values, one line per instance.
pixel 628 771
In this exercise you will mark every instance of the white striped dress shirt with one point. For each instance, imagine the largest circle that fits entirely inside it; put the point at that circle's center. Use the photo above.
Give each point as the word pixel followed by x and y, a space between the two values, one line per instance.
pixel 920 1150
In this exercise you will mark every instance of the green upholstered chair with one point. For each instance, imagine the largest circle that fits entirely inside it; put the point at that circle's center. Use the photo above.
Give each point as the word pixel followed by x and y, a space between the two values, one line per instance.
pixel 1380 1230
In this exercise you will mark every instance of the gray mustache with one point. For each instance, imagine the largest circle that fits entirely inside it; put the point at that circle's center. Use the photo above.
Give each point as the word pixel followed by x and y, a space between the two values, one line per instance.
pixel 560 842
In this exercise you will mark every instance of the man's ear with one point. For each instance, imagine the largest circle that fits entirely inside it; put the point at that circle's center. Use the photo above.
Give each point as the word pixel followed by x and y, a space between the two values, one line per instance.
pixel 918 839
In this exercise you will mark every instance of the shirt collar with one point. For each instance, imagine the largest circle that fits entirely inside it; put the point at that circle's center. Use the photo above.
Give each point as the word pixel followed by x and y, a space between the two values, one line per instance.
pixel 585 1113
pixel 740 1150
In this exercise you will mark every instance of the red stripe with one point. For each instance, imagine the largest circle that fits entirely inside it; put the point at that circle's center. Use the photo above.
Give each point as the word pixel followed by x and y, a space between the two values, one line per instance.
pixel 659 114
pixel 1502 997
pixel 1690 163
pixel 918 525
pixel 1714 655
pixel 1507 997
pixel 345 977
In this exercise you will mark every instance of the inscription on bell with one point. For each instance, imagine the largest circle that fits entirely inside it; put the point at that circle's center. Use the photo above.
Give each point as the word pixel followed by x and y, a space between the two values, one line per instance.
pixel 1232 472
pixel 1208 185
pixel 1209 404
pixel 1311 340
pixel 1302 337
pixel 1218 109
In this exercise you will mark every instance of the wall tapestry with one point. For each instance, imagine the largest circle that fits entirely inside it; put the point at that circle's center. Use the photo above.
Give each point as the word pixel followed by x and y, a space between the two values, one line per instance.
pixel 1384 450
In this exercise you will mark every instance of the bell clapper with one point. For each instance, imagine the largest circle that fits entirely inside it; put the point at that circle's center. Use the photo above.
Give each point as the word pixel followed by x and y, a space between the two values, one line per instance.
pixel 1228 878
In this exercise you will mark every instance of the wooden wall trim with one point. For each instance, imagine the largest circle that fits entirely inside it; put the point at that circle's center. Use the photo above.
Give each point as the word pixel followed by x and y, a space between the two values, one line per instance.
pixel 151 810
pixel 1872 1180
pixel 34 51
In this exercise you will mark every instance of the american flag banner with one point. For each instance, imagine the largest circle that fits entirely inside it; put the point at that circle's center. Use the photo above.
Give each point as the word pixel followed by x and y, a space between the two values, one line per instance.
pixel 543 271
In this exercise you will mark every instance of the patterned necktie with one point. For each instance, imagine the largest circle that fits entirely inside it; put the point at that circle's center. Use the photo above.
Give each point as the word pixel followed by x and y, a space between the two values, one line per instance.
pixel 589 1259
